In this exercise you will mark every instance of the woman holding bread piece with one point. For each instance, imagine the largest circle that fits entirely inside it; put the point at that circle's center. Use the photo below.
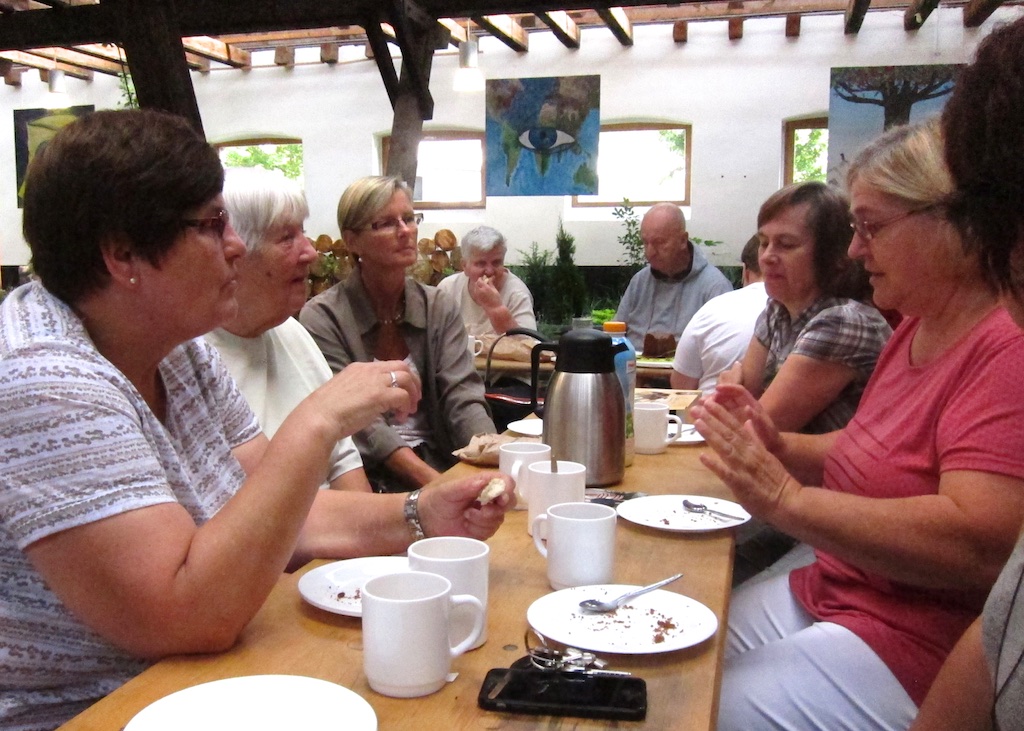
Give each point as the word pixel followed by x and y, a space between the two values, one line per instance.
pixel 143 513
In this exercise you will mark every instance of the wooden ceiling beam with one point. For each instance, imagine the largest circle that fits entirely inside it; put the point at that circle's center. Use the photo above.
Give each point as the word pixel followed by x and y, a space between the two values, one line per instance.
pixel 680 31
pixel 31 60
pixel 10 72
pixel 977 12
pixel 735 28
pixel 217 50
pixel 506 29
pixel 156 57
pixel 854 16
pixel 459 32
pixel 74 57
pixel 917 12
pixel 618 23
pixel 793 25
pixel 563 27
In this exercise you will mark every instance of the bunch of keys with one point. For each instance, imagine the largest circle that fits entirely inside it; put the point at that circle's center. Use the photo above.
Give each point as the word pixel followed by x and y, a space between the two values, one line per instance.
pixel 570 659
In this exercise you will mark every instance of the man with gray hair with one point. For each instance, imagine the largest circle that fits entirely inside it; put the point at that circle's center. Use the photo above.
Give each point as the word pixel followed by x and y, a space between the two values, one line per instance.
pixel 677 281
pixel 491 298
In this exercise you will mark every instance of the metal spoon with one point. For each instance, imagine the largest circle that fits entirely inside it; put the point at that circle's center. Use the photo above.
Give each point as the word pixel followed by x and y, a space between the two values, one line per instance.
pixel 595 606
pixel 702 508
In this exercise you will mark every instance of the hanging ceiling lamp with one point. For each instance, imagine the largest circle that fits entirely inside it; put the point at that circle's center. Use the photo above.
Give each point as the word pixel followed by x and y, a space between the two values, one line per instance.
pixel 56 82
pixel 468 76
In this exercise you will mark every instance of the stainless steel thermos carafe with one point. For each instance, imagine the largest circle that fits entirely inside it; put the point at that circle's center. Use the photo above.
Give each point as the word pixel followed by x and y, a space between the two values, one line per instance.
pixel 584 410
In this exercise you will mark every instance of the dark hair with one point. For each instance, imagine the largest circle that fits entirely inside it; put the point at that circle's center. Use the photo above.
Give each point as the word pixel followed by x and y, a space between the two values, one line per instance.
pixel 748 257
pixel 828 219
pixel 129 174
pixel 984 125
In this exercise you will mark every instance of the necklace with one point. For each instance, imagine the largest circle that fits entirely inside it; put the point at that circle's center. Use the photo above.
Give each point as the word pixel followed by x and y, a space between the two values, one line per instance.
pixel 397 316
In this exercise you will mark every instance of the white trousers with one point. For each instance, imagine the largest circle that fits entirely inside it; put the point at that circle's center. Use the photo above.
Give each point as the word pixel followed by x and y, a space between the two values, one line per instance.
pixel 783 670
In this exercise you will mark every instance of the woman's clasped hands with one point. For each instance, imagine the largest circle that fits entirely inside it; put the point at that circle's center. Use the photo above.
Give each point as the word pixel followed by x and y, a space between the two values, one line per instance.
pixel 745 442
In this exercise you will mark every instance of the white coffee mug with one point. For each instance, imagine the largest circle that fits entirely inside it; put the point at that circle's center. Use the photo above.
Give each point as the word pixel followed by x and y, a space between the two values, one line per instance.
pixel 513 458
pixel 476 347
pixel 580 543
pixel 406 617
pixel 650 427
pixel 465 562
pixel 547 488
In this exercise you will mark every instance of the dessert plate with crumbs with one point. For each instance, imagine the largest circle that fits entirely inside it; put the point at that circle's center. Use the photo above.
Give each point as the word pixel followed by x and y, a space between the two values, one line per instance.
pixel 337 587
pixel 661 621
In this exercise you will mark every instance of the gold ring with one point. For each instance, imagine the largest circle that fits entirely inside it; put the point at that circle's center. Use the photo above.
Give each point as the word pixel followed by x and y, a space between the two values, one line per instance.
pixel 394 379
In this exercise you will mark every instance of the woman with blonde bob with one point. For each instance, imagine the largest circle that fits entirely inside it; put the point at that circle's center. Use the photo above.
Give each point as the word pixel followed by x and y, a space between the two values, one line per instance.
pixel 981 686
pixel 922 493
pixel 380 313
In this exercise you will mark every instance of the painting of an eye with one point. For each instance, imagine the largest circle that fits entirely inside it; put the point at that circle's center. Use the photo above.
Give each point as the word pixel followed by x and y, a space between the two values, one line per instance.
pixel 545 139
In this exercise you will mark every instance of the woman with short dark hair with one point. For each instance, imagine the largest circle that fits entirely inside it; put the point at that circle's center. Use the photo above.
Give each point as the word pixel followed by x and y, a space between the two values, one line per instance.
pixel 142 511
pixel 816 343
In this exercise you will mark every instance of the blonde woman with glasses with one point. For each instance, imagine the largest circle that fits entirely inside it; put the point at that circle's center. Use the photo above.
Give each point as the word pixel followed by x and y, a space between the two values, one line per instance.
pixel 921 495
pixel 380 313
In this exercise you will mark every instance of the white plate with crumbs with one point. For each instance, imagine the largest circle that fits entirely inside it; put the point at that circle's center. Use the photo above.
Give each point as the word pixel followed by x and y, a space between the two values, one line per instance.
pixel 666 512
pixel 660 621
pixel 337 587
pixel 258 703
pixel 527 427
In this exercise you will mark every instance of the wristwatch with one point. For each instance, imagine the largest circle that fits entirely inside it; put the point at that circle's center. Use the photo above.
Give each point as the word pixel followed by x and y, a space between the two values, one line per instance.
pixel 412 515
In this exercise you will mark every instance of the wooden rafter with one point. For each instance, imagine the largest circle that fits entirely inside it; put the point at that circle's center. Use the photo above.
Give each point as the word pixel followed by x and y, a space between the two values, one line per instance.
pixel 217 50
pixel 31 60
pixel 506 29
pixel 917 12
pixel 854 17
pixel 563 27
pixel 977 11
pixel 618 23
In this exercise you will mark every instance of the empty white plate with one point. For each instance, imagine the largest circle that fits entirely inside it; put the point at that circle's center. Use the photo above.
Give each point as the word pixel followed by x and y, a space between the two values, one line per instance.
pixel 258 703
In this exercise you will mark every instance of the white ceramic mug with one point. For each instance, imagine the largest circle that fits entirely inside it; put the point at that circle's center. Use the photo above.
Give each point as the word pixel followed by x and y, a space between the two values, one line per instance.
pixel 465 562
pixel 513 458
pixel 650 427
pixel 406 651
pixel 580 543
pixel 476 347
pixel 547 488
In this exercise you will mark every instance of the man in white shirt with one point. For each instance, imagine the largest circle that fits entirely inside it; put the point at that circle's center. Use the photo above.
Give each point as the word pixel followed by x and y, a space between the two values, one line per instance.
pixel 718 334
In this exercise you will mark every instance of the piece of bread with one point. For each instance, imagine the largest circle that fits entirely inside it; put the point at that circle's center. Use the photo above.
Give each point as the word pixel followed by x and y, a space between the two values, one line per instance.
pixel 492 491
pixel 445 239
pixel 659 345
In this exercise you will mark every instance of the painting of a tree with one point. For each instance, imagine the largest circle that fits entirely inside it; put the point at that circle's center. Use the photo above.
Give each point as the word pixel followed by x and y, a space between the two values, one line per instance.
pixel 896 89
pixel 864 102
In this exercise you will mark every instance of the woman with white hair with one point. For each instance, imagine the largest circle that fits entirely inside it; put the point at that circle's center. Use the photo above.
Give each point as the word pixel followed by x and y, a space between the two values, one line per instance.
pixel 269 354
pixel 492 299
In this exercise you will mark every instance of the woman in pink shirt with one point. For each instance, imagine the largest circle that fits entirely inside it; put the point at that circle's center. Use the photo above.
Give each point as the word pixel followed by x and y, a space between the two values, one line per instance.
pixel 921 495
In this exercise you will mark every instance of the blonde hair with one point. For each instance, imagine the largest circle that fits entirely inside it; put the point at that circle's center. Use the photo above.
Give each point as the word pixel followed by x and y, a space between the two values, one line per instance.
pixel 365 197
pixel 907 163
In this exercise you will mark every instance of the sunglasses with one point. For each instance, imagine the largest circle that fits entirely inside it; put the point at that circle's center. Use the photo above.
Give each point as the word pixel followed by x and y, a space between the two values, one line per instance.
pixel 213 224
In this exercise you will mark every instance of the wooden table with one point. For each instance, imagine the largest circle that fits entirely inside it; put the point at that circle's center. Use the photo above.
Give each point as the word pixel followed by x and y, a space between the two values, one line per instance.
pixel 290 636
pixel 521 368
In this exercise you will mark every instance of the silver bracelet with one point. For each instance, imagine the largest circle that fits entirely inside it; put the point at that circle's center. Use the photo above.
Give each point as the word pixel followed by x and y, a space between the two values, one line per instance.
pixel 412 515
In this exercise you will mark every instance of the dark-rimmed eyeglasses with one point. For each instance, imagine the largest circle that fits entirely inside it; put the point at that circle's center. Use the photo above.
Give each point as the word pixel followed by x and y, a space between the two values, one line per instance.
pixel 390 225
pixel 868 231
pixel 213 224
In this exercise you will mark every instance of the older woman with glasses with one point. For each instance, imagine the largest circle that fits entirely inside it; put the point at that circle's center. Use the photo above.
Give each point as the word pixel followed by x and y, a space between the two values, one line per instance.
pixel 981 686
pixel 270 355
pixel 380 313
pixel 922 493
pixel 142 511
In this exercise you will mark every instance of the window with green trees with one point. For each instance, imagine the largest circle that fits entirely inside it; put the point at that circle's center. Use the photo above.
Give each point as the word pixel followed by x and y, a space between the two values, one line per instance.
pixel 806 150
pixel 284 154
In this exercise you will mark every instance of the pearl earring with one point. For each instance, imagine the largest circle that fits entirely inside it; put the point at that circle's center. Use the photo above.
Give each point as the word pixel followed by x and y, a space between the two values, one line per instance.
pixel 133 280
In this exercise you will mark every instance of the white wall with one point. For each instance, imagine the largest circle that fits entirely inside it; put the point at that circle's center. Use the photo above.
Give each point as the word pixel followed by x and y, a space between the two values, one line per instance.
pixel 736 94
